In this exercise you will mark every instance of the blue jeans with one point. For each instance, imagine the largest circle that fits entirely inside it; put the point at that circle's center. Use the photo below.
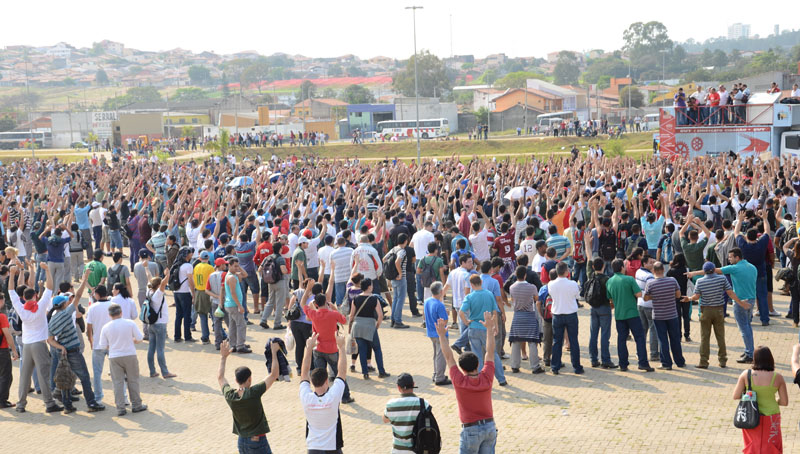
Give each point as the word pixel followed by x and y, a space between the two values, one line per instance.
pixel 116 239
pixel 480 439
pixel 743 318
pixel 40 273
pixel 761 296
pixel 78 366
pixel 183 315
pixel 669 335
pixel 204 332
pixel 97 233
pixel 600 323
pixel 339 291
pixel 324 360
pixel 247 446
pixel 158 337
pixel 420 289
pixel 477 342
pixel 365 346
pixel 579 273
pixel 399 291
pixel 98 360
pixel 634 326
pixel 570 323
pixel 463 338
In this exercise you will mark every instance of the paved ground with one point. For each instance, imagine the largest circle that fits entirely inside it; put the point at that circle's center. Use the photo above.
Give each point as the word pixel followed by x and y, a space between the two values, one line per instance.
pixel 682 411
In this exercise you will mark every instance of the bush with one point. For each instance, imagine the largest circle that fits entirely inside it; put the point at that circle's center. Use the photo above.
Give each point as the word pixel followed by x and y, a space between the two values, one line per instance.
pixel 614 148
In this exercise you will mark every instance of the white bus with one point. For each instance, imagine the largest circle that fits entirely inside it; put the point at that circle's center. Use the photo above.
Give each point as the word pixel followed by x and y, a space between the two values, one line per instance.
pixel 429 129
pixel 17 139
pixel 554 119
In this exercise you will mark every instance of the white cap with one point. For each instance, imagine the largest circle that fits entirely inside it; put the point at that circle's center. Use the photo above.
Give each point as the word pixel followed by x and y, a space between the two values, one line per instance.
pixel 302 240
pixel 95 204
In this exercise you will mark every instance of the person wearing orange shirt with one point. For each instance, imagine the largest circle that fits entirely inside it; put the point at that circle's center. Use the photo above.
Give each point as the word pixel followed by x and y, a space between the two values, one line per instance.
pixel 713 101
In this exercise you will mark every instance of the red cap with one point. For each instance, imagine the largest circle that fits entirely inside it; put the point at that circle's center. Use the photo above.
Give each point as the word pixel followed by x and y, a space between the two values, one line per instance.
pixel 220 261
pixel 307 233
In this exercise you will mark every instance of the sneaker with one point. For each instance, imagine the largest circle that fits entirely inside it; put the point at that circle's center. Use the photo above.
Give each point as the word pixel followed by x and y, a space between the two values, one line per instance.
pixel 701 366
pixel 122 412
pixel 170 375
pixel 662 367
pixel 401 325
pixel 554 371
pixel 352 368
pixel 764 323
pixel 370 368
pixel 348 400
pixel 722 365
pixel 774 313
pixel 595 363
pixel 745 360
pixel 646 369
pixel 504 356
pixel 178 340
pixel 264 325
pixel 623 368
pixel 277 327
pixel 140 408
pixel 609 366
pixel 191 339
pixel 505 383
pixel 70 409
pixel 687 339
pixel 7 404
pixel 366 376
pixel 416 314
pixel 96 408
pixel 249 322
pixel 455 349
pixel 244 350
pixel 444 382
pixel 54 408
pixel 20 409
pixel 206 341
pixel 76 392
pixel 579 371
pixel 538 370
pixel 547 363
pixel 514 370
pixel 384 375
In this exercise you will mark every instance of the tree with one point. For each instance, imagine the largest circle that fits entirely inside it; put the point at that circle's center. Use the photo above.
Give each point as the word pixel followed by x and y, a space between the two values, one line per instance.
pixel 516 79
pixel 133 95
pixel 355 71
pixel 719 59
pixel 357 94
pixel 566 70
pixel 188 131
pixel 307 90
pixel 487 78
pixel 97 50
pixel 234 68
pixel 199 75
pixel 7 123
pixel 637 99
pixel 100 77
pixel 257 72
pixel 482 115
pixel 645 39
pixel 329 92
pixel 431 72
pixel 189 94
pixel 68 81
pixel 335 71
pixel 609 66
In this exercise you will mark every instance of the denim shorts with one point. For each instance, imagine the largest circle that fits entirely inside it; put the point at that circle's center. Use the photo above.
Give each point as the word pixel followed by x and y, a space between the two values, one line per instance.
pixel 116 239
pixel 251 282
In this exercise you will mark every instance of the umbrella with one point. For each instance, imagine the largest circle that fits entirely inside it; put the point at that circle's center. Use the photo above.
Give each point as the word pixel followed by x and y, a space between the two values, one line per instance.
pixel 520 192
pixel 240 181
pixel 274 177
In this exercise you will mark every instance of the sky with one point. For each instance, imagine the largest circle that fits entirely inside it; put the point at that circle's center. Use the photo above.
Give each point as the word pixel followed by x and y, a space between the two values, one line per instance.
pixel 321 28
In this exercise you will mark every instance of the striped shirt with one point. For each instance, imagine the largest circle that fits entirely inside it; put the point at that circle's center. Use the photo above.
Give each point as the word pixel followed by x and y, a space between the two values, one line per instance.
pixel 558 242
pixel 62 327
pixel 341 256
pixel 662 290
pixel 711 289
pixel 159 243
pixel 402 413
pixel 523 293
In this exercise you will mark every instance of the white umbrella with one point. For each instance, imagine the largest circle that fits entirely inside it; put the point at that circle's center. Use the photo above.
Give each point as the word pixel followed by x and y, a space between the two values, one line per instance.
pixel 520 192
pixel 240 181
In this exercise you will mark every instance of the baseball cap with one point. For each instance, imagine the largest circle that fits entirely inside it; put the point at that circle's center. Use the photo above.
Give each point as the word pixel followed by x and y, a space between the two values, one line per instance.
pixel 220 261
pixel 708 267
pixel 405 381
pixel 307 233
pixel 204 255
pixel 59 300
pixel 260 219
pixel 95 204
pixel 302 240
pixel 223 238
pixel 143 253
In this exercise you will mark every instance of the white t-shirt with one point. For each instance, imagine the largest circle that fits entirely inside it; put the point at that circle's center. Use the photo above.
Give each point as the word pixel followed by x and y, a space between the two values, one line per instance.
pixel 312 255
pixel 528 247
pixel 642 277
pixel 34 324
pixel 184 274
pixel 565 293
pixel 128 306
pixel 480 245
pixel 117 336
pixel 191 235
pixel 98 317
pixel 322 414
pixel 324 254
pixel 96 216
pixel 420 242
pixel 538 261
pixel 457 280
pixel 156 300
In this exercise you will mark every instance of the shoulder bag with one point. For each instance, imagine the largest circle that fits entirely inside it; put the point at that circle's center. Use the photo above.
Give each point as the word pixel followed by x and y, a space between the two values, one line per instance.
pixel 747 415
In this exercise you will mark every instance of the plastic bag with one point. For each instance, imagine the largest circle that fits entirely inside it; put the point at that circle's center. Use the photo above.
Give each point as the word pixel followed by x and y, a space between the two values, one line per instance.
pixel 288 339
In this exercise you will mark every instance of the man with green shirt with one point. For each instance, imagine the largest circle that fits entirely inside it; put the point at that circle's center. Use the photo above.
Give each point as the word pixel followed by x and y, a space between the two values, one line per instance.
pixel 98 272
pixel 693 247
pixel 299 262
pixel 743 279
pixel 402 412
pixel 249 420
pixel 622 292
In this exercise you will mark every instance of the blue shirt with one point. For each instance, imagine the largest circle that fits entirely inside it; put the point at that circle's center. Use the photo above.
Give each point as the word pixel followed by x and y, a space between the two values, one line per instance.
pixel 489 283
pixel 82 217
pixel 55 249
pixel 475 304
pixel 653 231
pixel 743 277
pixel 434 310
pixel 754 253
pixel 558 242
pixel 245 252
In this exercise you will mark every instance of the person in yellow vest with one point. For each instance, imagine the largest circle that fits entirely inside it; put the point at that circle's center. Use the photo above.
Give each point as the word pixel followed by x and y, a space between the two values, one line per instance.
pixel 202 301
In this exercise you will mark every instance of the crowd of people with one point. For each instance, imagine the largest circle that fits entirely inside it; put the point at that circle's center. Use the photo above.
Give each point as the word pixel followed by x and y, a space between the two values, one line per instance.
pixel 499 255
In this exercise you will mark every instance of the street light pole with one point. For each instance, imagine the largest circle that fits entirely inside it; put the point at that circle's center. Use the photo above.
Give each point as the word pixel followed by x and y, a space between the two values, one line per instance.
pixel 416 78
pixel 630 85
pixel 663 72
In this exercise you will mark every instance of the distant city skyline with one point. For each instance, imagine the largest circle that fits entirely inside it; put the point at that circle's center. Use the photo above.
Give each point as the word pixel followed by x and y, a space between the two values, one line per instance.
pixel 360 27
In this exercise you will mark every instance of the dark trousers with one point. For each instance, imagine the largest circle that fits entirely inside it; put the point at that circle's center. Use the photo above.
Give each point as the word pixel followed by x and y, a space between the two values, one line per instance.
pixel 301 332
pixel 330 359
pixel 5 374
pixel 97 232
pixel 366 346
pixel 411 285
pixel 136 246
pixel 669 337
pixel 568 322
pixel 86 243
pixel 79 368
pixel 183 314
pixel 634 326
pixel 684 313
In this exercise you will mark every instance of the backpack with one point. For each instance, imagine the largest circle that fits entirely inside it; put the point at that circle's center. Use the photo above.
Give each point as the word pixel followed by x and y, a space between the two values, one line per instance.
pixel 147 315
pixel 427 274
pixel 548 308
pixel 271 270
pixel 595 292
pixel 745 98
pixel 667 252
pixel 716 218
pixel 175 281
pixel 631 243
pixel 608 245
pixel 389 267
pixel 113 276
pixel 14 320
pixel 425 435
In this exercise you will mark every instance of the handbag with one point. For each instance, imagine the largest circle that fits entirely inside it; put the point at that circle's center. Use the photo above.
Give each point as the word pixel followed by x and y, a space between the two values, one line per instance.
pixel 288 339
pixel 64 377
pixel 747 415
pixel 351 346
pixel 294 312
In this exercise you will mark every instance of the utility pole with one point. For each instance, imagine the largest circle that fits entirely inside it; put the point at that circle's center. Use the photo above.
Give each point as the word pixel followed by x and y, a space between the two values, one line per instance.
pixel 416 78
pixel 525 110
pixel 630 87
pixel 663 72
pixel 69 114
pixel 169 121
pixel 451 36
pixel 28 104
pixel 236 112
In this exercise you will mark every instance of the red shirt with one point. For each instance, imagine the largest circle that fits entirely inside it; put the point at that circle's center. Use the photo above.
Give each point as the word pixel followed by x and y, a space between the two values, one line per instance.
pixel 263 251
pixel 473 394
pixel 505 245
pixel 713 99
pixel 3 324
pixel 323 321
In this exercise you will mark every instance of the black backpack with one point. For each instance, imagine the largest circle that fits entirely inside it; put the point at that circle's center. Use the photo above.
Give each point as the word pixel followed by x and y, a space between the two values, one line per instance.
pixel 608 245
pixel 175 281
pixel 595 291
pixel 716 218
pixel 389 266
pixel 271 270
pixel 426 436
pixel 113 276
pixel 427 274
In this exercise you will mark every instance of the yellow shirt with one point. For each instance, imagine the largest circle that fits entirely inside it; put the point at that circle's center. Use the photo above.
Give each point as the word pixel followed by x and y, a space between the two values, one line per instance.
pixel 200 274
